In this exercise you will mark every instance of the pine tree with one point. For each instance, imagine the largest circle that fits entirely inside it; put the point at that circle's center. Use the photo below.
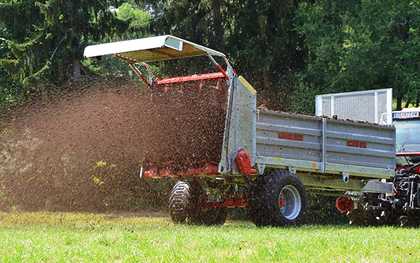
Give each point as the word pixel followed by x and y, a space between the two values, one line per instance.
pixel 46 38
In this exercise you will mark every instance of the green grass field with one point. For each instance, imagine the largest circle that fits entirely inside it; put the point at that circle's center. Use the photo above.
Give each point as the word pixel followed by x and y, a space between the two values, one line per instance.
pixel 59 237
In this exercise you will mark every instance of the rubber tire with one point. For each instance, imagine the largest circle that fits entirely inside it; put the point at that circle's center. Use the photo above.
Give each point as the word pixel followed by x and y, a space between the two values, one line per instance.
pixel 180 202
pixel 265 210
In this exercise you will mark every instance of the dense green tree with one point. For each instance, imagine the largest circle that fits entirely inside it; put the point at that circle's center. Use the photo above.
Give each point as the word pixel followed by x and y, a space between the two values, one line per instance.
pixel 193 20
pixel 258 36
pixel 199 21
pixel 7 92
pixel 358 45
pixel 265 45
pixel 46 38
pixel 286 47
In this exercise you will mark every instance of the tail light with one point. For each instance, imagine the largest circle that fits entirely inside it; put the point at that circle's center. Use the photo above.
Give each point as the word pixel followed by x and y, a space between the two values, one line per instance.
pixel 344 204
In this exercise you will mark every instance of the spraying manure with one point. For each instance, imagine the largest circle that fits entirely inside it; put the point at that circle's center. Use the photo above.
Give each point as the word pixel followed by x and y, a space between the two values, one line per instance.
pixel 83 150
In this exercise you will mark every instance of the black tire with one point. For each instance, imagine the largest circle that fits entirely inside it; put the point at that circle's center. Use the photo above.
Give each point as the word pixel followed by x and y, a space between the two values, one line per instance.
pixel 184 208
pixel 265 206
pixel 180 202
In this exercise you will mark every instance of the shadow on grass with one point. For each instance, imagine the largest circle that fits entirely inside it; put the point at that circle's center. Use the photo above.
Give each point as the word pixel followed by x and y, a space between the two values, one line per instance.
pixel 146 220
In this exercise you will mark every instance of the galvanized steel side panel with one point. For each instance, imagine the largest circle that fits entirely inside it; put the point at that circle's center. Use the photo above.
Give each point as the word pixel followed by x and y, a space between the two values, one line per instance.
pixel 240 124
pixel 325 145
pixel 377 149
pixel 271 125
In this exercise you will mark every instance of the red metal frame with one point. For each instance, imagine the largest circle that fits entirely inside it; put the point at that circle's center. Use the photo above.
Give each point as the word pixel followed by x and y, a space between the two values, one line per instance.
pixel 408 154
pixel 196 77
pixel 209 169
pixel 227 203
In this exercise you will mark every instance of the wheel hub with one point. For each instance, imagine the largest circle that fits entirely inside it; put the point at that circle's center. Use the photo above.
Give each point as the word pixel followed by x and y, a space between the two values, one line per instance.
pixel 290 202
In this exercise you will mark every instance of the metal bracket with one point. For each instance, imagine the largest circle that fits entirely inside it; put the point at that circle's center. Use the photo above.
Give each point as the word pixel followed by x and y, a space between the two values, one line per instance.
pixel 292 170
pixel 374 186
pixel 324 144
pixel 261 168
pixel 148 78
pixel 141 172
pixel 217 65
pixel 345 177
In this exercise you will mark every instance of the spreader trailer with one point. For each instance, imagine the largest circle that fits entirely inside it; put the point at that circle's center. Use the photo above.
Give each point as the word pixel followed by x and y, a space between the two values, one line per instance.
pixel 267 160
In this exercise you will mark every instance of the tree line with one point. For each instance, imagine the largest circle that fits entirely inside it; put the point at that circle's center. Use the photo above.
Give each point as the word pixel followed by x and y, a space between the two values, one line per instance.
pixel 290 50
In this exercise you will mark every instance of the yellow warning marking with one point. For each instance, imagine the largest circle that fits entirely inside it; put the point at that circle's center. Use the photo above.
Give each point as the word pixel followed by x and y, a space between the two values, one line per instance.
pixel 277 159
pixel 247 85
pixel 314 166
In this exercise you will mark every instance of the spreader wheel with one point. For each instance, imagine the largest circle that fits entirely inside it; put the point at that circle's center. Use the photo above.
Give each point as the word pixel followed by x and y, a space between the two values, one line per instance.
pixel 180 202
pixel 283 200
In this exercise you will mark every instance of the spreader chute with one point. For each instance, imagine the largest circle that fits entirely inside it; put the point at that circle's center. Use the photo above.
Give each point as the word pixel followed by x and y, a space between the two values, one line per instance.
pixel 151 49
pixel 138 52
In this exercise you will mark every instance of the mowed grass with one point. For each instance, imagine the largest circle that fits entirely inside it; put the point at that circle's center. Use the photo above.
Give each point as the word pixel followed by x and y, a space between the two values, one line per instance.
pixel 59 237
